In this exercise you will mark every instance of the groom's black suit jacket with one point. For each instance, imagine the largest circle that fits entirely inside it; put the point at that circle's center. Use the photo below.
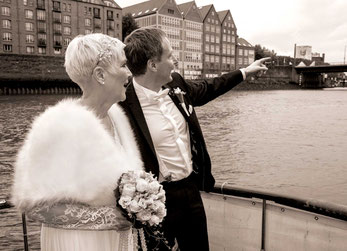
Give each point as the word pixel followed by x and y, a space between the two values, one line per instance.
pixel 197 93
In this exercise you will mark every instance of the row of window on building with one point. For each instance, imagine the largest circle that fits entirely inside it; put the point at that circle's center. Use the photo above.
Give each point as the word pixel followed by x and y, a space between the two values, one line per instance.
pixel 63 29
pixel 61 25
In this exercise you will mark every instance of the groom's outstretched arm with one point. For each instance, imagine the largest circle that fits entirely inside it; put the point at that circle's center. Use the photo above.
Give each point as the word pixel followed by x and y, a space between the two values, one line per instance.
pixel 202 91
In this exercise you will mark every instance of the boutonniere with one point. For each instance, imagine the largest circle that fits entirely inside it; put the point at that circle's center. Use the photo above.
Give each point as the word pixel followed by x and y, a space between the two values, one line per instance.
pixel 180 95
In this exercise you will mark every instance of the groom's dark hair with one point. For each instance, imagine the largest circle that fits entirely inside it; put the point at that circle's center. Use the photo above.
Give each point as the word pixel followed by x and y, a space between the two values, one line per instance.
pixel 142 45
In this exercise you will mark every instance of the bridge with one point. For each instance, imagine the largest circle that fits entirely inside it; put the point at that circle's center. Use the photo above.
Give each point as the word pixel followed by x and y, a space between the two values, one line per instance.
pixel 311 76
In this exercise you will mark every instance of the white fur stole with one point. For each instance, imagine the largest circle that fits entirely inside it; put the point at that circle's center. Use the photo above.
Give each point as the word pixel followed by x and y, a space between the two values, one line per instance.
pixel 69 155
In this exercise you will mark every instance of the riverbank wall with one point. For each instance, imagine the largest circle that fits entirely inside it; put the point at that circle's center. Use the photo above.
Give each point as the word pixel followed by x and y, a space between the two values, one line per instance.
pixel 31 74
pixel 276 78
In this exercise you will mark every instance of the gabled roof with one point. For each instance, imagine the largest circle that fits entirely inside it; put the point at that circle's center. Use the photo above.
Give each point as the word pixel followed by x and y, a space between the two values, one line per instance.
pixel 114 3
pixel 108 3
pixel 204 10
pixel 243 42
pixel 222 15
pixel 189 10
pixel 184 7
pixel 144 8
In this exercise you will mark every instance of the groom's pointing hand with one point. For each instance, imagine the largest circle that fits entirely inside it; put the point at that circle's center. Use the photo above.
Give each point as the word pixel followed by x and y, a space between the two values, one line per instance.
pixel 257 67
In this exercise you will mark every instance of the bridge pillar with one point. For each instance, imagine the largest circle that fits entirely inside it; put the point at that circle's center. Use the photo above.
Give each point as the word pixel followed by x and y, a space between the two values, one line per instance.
pixel 312 80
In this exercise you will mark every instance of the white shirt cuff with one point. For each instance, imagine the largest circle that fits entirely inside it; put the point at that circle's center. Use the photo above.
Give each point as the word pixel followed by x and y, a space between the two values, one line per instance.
pixel 243 73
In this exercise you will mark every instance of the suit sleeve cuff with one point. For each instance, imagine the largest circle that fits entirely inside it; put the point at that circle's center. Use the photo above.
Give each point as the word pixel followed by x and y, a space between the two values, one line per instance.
pixel 242 70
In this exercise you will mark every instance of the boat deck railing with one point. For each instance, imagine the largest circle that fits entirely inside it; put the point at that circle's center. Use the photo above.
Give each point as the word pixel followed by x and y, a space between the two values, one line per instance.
pixel 224 189
pixel 318 208
pixel 311 205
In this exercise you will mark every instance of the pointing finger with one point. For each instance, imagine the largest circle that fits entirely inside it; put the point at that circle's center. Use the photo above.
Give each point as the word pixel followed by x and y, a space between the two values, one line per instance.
pixel 262 60
pixel 263 68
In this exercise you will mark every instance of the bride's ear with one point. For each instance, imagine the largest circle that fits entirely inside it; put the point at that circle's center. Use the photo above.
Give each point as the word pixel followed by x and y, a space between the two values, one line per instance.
pixel 99 75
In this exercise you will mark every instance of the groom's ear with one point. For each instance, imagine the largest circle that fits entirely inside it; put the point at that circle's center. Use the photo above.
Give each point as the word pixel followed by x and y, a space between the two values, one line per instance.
pixel 152 65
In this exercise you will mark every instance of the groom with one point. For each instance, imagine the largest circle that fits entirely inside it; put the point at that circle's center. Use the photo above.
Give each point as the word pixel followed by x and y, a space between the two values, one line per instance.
pixel 160 107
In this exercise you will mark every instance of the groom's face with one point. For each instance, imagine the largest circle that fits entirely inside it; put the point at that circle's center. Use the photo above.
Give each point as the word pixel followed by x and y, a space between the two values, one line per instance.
pixel 167 62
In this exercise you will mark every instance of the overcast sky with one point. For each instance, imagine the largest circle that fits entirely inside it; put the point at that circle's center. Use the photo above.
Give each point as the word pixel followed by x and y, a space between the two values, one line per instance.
pixel 279 24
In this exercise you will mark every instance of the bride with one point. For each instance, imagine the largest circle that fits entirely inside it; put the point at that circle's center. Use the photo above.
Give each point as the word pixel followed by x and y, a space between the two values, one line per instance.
pixel 68 167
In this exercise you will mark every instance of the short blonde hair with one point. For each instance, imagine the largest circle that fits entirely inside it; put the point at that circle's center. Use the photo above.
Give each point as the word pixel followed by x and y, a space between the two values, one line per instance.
pixel 85 52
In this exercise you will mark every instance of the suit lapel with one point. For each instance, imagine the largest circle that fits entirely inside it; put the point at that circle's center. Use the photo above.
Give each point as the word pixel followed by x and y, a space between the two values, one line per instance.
pixel 139 118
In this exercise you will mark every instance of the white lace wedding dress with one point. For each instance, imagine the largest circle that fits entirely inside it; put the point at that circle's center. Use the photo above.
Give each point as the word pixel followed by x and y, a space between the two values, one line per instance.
pixel 80 227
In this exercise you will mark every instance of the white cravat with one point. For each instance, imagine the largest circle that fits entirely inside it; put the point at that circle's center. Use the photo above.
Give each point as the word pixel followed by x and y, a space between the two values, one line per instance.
pixel 169 133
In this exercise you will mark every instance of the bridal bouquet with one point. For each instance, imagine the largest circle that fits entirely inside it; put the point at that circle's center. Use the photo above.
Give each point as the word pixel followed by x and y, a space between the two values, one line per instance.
pixel 142 199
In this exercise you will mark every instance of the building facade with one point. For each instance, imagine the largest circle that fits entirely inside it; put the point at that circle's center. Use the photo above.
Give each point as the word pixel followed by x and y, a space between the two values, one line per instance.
pixel 45 27
pixel 211 41
pixel 163 14
pixel 318 58
pixel 228 41
pixel 204 41
pixel 245 53
pixel 192 40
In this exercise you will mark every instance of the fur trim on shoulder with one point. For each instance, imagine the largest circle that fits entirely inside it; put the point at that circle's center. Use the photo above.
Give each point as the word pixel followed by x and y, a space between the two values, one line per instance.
pixel 126 135
pixel 68 155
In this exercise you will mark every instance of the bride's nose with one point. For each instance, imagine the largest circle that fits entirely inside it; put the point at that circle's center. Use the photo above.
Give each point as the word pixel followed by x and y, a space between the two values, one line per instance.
pixel 128 72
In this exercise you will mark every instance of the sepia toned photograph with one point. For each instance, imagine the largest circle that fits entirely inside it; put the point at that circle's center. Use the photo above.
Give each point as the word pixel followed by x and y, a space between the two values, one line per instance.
pixel 173 125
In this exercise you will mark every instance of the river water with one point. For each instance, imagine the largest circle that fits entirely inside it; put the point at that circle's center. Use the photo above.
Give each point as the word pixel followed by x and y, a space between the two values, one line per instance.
pixel 292 142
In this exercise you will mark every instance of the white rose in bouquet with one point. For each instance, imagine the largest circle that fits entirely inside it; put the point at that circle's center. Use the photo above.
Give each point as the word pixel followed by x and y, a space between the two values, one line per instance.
pixel 144 216
pixel 149 202
pixel 155 206
pixel 142 185
pixel 161 195
pixel 134 206
pixel 129 190
pixel 124 201
pixel 154 187
pixel 161 211
pixel 155 220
